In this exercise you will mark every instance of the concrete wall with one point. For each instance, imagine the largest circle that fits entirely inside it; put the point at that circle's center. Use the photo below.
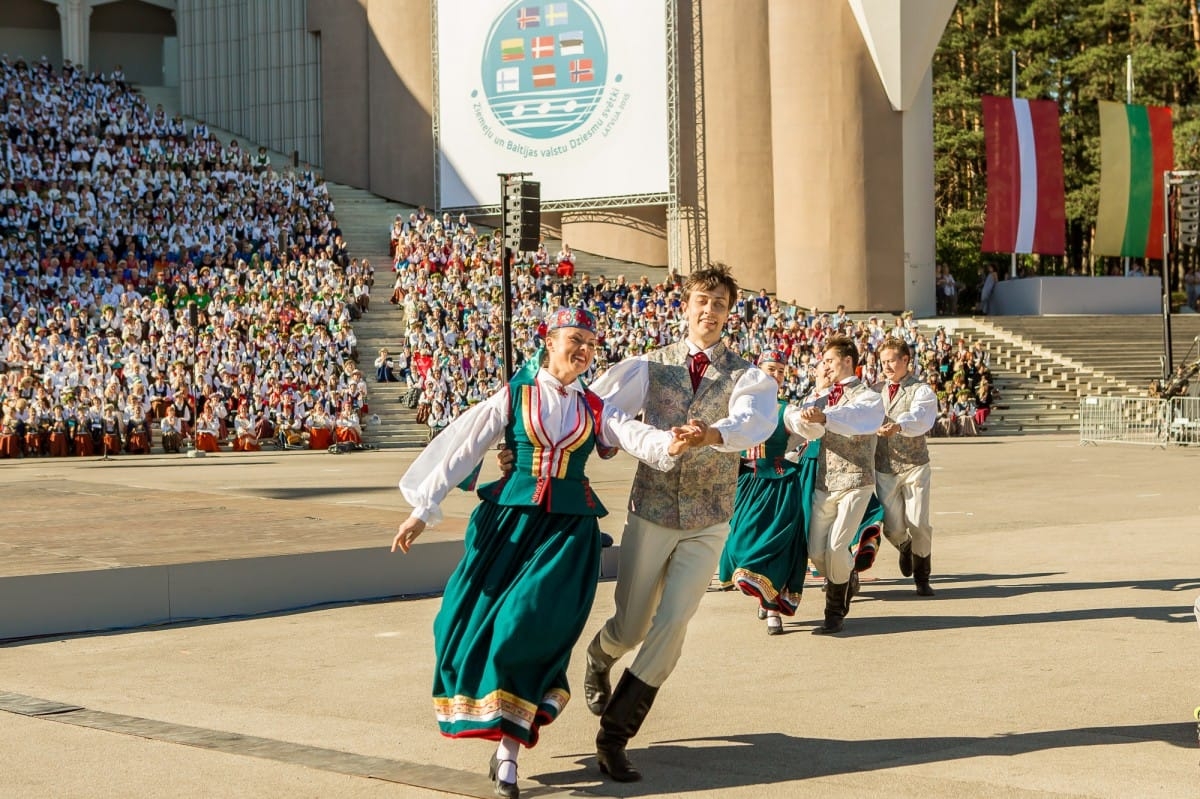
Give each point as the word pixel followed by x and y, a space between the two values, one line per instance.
pixel 29 28
pixel 253 68
pixel 131 34
pixel 628 234
pixel 377 85
pixel 837 155
pixel 1038 296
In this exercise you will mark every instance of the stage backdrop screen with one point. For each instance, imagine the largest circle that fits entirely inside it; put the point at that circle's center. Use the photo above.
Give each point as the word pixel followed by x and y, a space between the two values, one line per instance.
pixel 574 92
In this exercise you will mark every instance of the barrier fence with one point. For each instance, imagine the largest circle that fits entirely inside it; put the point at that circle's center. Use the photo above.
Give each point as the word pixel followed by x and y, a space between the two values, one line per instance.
pixel 1139 420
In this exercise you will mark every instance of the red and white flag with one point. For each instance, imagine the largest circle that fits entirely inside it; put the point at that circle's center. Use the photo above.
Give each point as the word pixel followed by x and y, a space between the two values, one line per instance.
pixel 1026 208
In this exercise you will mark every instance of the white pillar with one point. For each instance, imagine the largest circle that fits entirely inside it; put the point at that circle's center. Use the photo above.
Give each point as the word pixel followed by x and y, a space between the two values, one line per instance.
pixel 919 223
pixel 76 30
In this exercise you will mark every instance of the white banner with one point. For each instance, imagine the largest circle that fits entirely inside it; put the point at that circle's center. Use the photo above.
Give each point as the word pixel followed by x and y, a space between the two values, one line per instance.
pixel 574 92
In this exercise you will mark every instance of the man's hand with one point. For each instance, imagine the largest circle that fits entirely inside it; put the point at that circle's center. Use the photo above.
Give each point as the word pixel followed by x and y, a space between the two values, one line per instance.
pixel 505 459
pixel 889 429
pixel 698 433
pixel 813 415
pixel 407 534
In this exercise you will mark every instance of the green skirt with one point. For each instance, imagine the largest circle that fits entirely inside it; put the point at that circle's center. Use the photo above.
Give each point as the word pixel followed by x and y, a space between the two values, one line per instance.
pixel 766 553
pixel 511 613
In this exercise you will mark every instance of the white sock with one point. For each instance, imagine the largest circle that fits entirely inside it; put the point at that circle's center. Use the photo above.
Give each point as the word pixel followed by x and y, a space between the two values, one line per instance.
pixel 772 614
pixel 507 753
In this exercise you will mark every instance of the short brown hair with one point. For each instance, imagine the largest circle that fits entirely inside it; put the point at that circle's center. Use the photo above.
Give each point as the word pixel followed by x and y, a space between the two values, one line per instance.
pixel 711 276
pixel 898 344
pixel 844 346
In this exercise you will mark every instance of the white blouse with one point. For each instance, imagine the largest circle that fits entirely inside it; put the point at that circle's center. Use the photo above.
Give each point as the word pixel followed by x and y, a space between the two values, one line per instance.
pixel 451 457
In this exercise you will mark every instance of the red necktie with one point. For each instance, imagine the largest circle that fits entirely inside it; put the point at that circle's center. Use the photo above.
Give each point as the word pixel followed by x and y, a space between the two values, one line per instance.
pixel 892 389
pixel 835 394
pixel 696 367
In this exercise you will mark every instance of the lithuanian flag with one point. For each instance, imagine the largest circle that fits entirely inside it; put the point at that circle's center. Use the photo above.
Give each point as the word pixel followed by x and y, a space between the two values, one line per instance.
pixel 1135 149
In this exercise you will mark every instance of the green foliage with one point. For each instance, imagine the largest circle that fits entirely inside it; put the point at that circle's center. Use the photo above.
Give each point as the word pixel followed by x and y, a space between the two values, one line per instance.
pixel 1071 51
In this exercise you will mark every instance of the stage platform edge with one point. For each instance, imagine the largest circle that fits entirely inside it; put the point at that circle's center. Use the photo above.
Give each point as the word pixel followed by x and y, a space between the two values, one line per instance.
pixel 140 596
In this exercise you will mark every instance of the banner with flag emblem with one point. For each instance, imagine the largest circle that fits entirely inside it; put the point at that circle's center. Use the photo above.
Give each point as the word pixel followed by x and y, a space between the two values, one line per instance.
pixel 1136 147
pixel 570 43
pixel 543 75
pixel 541 47
pixel 512 50
pixel 581 70
pixel 528 18
pixel 1026 206
pixel 556 14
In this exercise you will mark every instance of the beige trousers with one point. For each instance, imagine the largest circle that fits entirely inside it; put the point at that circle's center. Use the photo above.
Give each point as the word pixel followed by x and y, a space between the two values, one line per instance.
pixel 835 518
pixel 905 500
pixel 662 574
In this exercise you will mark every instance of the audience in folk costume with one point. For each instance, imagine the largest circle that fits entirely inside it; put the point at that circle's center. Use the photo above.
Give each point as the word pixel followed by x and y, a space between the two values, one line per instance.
pixel 171 428
pixel 208 430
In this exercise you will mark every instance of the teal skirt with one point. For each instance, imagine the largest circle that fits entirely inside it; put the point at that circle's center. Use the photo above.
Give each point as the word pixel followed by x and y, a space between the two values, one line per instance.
pixel 511 613
pixel 766 554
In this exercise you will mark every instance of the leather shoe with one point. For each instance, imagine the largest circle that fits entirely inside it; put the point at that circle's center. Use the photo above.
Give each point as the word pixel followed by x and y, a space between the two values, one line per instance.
pixel 507 790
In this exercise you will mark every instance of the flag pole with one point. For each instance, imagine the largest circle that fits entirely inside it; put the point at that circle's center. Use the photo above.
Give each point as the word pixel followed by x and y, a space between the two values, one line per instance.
pixel 1128 101
pixel 1012 268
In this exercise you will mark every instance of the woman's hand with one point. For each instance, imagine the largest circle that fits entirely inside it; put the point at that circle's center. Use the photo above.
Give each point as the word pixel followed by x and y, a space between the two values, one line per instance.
pixel 407 534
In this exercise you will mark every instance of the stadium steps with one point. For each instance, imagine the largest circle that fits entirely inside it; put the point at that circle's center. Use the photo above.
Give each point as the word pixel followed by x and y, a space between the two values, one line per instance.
pixel 1029 399
pixel 1113 355
pixel 365 220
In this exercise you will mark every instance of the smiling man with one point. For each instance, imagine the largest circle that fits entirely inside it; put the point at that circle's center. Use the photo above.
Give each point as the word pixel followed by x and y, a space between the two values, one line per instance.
pixel 678 520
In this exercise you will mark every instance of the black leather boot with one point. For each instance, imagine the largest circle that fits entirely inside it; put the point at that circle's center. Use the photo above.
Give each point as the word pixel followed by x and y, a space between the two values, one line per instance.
pixel 837 605
pixel 597 686
pixel 906 558
pixel 921 569
pixel 622 719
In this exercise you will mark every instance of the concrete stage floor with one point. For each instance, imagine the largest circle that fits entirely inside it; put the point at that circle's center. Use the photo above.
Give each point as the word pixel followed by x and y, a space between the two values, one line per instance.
pixel 1059 659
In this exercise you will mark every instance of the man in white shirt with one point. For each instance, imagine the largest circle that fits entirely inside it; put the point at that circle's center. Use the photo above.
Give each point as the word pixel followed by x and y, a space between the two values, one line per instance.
pixel 678 520
pixel 846 422
pixel 902 471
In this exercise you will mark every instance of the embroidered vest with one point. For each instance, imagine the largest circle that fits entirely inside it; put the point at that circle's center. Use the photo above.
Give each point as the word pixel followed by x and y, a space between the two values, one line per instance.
pixel 766 460
pixel 900 452
pixel 699 491
pixel 847 461
pixel 545 473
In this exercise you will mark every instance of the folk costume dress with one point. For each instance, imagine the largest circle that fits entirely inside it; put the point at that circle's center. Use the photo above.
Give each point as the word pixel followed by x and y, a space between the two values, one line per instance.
pixel 766 554
pixel 518 600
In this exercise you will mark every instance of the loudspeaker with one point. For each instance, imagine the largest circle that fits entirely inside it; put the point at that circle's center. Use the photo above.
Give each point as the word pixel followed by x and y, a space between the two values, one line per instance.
pixel 522 214
pixel 193 314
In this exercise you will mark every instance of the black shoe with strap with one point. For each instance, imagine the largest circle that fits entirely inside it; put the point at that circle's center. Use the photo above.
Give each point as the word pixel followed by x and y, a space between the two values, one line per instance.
pixel 507 790
pixel 623 717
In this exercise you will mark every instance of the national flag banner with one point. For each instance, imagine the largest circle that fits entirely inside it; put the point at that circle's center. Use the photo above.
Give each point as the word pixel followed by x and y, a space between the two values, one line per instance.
pixel 570 43
pixel 581 71
pixel 555 14
pixel 512 49
pixel 508 79
pixel 528 18
pixel 1136 147
pixel 541 47
pixel 1026 206
pixel 543 75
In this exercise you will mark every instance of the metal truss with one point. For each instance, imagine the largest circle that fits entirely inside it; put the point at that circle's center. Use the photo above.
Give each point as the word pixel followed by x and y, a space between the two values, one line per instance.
pixel 699 218
pixel 674 233
pixel 620 201
pixel 437 106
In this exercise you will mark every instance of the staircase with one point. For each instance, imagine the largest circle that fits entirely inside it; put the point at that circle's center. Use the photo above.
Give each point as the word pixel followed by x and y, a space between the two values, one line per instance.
pixel 365 220
pixel 1109 354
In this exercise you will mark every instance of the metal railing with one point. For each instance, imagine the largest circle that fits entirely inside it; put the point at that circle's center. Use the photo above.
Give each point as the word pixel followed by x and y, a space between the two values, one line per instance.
pixel 1139 420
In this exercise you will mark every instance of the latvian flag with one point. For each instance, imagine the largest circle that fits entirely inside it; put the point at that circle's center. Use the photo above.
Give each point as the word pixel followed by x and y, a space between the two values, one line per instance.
pixel 1026 209
pixel 1135 149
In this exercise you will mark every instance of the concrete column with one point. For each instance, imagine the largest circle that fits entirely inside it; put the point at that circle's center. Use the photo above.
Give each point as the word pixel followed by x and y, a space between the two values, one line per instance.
pixel 737 112
pixel 919 235
pixel 76 30
pixel 836 149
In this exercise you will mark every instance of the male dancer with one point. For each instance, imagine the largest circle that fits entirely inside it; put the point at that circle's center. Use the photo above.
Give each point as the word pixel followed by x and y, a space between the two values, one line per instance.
pixel 678 520
pixel 851 415
pixel 902 461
